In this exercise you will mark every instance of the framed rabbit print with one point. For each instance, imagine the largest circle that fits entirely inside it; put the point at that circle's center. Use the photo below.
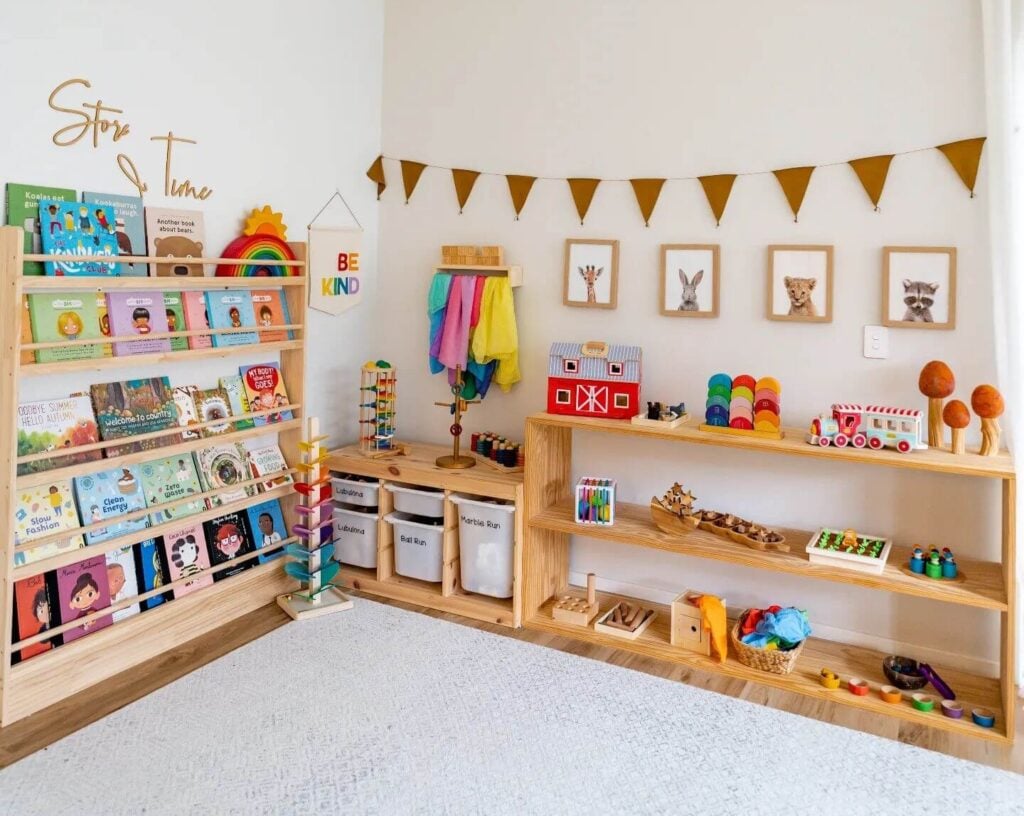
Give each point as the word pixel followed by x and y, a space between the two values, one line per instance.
pixel 800 283
pixel 591 273
pixel 689 280
pixel 919 287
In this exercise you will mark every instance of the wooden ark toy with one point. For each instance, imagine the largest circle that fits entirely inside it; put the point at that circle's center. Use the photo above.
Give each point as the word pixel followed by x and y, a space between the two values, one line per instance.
pixel 625 620
pixel 673 513
pixel 595 501
pixel 578 611
pixel 743 405
pixel 849 549
pixel 594 379
pixel 687 628
pixel 872 426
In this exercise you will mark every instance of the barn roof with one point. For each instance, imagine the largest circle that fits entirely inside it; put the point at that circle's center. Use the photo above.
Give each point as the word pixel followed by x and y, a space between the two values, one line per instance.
pixel 596 368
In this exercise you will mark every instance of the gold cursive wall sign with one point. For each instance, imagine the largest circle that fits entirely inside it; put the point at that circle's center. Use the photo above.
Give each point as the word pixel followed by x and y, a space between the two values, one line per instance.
pixel 98 121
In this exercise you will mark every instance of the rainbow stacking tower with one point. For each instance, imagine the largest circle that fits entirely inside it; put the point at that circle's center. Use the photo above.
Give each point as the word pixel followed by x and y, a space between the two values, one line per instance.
pixel 743 406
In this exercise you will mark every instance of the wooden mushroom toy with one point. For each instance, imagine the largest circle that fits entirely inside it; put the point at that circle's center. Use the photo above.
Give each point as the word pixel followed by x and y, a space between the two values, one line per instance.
pixel 988 403
pixel 936 382
pixel 957 416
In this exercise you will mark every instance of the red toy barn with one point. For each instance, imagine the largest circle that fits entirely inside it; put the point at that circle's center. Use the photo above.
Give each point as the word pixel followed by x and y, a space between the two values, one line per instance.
pixel 594 380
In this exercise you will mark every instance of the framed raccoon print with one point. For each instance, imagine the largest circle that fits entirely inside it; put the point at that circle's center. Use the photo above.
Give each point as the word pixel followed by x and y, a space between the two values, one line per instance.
pixel 919 287
pixel 800 283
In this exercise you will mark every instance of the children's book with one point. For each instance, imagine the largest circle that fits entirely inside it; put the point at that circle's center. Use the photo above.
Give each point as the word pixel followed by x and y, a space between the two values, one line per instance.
pixel 228 537
pixel 184 398
pixel 196 319
pixel 269 459
pixel 232 385
pixel 212 404
pixel 82 589
pixel 56 424
pixel 27 355
pixel 264 388
pixel 41 511
pixel 70 228
pixel 179 233
pixel 271 309
pixel 223 466
pixel 231 309
pixel 150 571
pixel 137 314
pixel 168 480
pixel 23 211
pixel 131 407
pixel 122 581
pixel 186 555
pixel 175 309
pixel 107 495
pixel 266 523
pixel 34 610
pixel 129 228
pixel 104 318
pixel 64 316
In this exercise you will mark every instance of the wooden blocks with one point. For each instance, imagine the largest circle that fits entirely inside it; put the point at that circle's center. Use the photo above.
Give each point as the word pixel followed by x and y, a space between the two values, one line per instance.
pixel 625 620
pixel 459 255
pixel 687 629
pixel 578 611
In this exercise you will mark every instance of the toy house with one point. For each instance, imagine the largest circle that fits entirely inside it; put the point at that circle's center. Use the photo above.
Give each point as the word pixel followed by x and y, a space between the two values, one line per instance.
pixel 594 379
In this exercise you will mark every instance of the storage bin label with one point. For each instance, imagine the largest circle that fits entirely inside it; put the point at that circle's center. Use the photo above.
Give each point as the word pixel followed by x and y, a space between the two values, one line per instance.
pixel 477 522
pixel 411 539
pixel 348 528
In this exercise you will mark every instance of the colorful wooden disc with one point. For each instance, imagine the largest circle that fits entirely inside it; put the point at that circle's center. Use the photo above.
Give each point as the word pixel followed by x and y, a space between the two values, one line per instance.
pixel 745 380
pixel 766 393
pixel 744 392
pixel 717 412
pixel 765 404
pixel 768 382
pixel 718 399
pixel 740 404
pixel 741 423
pixel 717 421
pixel 720 379
pixel 767 417
pixel 720 391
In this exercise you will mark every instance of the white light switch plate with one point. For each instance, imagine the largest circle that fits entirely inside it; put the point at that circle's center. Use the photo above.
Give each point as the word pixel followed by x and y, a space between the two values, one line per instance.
pixel 876 342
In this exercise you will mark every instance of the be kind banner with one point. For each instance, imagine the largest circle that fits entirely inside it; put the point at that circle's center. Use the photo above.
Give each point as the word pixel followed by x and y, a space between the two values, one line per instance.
pixel 335 268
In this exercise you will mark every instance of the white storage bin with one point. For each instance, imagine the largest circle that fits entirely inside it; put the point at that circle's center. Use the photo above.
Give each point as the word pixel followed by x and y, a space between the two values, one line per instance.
pixel 419 501
pixel 355 537
pixel 486 545
pixel 419 550
pixel 359 490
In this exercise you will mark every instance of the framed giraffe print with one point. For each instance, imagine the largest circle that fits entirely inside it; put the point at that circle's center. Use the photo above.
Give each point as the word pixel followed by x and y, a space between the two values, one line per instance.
pixel 591 273
pixel 919 287
pixel 689 280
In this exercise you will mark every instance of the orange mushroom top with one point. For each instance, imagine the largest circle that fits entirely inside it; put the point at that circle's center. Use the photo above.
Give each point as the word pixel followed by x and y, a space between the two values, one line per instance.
pixel 956 415
pixel 936 380
pixel 987 402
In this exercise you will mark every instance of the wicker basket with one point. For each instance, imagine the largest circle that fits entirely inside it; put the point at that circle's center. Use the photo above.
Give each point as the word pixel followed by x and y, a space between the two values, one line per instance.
pixel 774 661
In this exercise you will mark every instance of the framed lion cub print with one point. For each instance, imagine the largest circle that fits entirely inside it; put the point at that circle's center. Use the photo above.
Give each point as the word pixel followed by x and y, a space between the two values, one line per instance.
pixel 800 283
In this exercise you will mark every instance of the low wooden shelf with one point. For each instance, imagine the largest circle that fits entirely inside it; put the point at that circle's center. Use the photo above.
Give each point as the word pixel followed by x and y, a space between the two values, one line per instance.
pixel 418 468
pixel 987 585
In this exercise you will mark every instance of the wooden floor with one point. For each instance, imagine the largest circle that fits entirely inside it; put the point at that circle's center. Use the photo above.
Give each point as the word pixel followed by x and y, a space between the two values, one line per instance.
pixel 38 731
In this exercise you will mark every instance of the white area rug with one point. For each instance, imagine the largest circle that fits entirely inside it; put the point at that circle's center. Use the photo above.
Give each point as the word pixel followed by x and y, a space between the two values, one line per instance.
pixel 381 711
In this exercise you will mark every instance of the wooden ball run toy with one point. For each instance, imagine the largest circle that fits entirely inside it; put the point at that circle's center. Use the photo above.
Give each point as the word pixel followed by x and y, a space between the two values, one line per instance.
pixel 378 384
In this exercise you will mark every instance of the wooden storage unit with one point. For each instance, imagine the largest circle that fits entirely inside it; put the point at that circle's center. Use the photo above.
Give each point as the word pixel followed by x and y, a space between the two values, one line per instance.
pixel 47 678
pixel 988 585
pixel 417 468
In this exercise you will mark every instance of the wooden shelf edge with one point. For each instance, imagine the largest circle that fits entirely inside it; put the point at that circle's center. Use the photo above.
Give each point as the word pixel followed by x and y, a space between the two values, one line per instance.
pixel 654 643
pixel 793 444
pixel 634 527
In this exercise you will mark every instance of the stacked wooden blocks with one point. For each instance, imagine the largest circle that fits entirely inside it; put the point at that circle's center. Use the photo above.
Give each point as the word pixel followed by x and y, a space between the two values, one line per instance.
pixel 458 255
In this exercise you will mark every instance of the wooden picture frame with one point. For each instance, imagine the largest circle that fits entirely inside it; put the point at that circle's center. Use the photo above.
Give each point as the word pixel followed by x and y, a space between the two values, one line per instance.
pixel 900 267
pixel 677 278
pixel 596 255
pixel 796 303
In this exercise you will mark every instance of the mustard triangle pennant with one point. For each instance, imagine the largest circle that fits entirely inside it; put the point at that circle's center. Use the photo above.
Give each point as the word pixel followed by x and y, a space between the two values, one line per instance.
pixel 519 188
pixel 965 156
pixel 583 193
pixel 794 181
pixel 647 192
pixel 872 172
pixel 717 190
pixel 464 181
pixel 411 172
pixel 376 173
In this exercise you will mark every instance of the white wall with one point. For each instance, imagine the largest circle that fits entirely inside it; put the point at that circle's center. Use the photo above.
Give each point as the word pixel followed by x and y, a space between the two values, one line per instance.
pixel 284 101
pixel 612 89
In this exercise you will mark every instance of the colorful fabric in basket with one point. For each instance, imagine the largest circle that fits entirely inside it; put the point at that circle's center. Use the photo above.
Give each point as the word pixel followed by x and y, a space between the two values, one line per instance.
pixel 775 628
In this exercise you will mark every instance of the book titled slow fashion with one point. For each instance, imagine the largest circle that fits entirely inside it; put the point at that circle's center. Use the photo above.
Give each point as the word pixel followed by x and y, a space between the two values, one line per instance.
pixel 23 211
pixel 79 229
pixel 108 495
pixel 228 537
pixel 231 309
pixel 129 228
pixel 137 314
pixel 58 424
pixel 132 407
pixel 186 556
pixel 42 511
pixel 83 589
pixel 169 480
pixel 265 391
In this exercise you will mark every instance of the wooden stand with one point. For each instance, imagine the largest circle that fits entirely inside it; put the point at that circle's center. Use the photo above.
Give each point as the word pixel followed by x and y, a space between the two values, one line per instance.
pixel 50 677
pixel 989 585
pixel 578 611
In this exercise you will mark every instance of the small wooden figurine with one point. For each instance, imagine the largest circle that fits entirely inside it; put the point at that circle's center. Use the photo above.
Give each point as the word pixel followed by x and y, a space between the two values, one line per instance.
pixel 578 611
pixel 988 403
pixel 625 620
pixel 937 565
pixel 661 415
pixel 458 405
pixel 936 382
pixel 957 416
pixel 498 452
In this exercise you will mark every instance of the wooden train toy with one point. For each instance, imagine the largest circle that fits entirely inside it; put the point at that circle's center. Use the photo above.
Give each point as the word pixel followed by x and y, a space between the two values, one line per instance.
pixel 871 426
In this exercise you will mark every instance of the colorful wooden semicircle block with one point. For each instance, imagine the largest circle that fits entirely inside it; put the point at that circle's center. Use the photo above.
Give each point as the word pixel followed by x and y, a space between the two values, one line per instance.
pixel 251 250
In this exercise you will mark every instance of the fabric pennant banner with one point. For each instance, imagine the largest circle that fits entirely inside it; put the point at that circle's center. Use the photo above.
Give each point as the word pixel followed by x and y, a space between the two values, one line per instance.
pixel 717 190
pixel 464 181
pixel 411 172
pixel 519 188
pixel 872 172
pixel 965 156
pixel 376 173
pixel 647 192
pixel 583 193
pixel 794 181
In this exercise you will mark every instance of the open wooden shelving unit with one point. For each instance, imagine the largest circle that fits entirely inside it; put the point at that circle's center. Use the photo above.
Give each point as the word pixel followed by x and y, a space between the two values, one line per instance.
pixel 417 468
pixel 988 585
pixel 47 678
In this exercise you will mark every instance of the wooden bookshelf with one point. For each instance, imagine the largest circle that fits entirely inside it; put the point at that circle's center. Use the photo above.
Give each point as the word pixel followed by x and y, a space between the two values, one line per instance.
pixel 47 678
pixel 987 585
